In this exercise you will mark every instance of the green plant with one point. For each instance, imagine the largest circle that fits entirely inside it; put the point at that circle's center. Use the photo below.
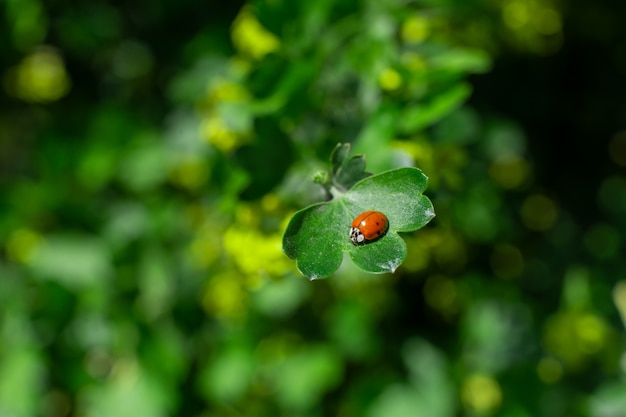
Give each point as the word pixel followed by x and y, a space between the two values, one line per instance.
pixel 317 236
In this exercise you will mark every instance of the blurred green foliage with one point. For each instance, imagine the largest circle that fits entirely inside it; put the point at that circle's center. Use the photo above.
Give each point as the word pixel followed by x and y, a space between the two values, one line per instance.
pixel 152 154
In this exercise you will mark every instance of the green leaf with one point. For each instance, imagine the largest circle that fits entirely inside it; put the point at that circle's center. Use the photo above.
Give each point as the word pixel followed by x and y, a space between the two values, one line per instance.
pixel 415 118
pixel 347 170
pixel 314 239
pixel 318 236
pixel 339 155
pixel 397 194
pixel 384 255
pixel 462 60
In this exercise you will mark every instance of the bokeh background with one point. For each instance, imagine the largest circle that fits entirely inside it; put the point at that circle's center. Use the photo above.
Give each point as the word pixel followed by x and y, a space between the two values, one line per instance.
pixel 151 154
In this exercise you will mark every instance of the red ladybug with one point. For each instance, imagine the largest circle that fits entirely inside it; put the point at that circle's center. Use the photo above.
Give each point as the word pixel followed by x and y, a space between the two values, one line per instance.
pixel 368 226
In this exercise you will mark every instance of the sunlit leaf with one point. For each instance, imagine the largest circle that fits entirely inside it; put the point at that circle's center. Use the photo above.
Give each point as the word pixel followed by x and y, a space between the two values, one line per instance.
pixel 317 236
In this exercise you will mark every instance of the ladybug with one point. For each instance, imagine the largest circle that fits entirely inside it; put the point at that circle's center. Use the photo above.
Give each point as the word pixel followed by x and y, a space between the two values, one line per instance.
pixel 368 226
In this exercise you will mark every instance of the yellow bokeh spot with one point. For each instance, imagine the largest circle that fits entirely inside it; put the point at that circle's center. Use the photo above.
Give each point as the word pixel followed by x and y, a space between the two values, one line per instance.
pixel 204 250
pixel 247 216
pixel 509 172
pixel 270 202
pixel 549 370
pixel 481 394
pixel 254 253
pixel 591 332
pixel 40 77
pixel 424 156
pixel 414 62
pixel 535 24
pixel 548 22
pixel 21 245
pixel 216 132
pixel 225 297
pixel 206 246
pixel 516 13
pixel 191 174
pixel 539 212
pixel 420 150
pixel 239 66
pixel 415 29
pixel 574 336
pixel 228 91
pixel 251 38
pixel 389 79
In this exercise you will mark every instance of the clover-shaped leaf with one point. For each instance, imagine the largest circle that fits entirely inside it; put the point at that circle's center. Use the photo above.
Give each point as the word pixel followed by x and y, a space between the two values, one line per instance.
pixel 318 236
